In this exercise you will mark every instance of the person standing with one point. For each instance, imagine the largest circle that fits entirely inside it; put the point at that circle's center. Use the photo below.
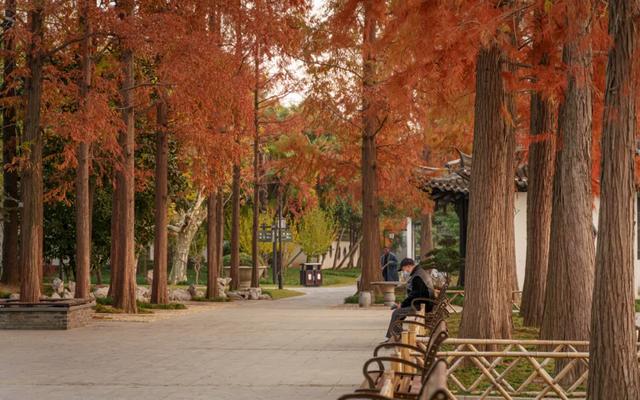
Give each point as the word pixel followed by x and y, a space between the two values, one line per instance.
pixel 389 263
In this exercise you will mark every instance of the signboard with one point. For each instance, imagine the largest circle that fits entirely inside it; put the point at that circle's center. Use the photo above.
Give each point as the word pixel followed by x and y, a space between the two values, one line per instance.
pixel 265 236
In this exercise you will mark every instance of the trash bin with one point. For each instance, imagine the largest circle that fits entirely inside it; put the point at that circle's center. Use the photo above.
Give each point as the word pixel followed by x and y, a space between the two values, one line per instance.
pixel 311 274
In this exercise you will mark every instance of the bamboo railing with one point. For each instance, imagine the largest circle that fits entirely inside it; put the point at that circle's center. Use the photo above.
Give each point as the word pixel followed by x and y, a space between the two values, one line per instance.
pixel 522 369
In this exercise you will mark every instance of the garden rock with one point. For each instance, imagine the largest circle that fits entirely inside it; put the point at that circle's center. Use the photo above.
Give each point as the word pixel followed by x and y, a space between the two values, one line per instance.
pixel 192 291
pixel 179 295
pixel 254 293
pixel 265 297
pixel 67 294
pixel 150 277
pixel 101 292
pixel 57 285
pixel 55 296
pixel 235 296
pixel 439 278
pixel 143 294
pixel 14 296
pixel 72 286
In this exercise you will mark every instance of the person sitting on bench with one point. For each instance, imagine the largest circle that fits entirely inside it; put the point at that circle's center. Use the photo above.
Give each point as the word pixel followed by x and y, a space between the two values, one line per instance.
pixel 419 285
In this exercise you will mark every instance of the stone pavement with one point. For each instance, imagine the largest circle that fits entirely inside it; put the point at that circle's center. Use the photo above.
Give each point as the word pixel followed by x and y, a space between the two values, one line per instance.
pixel 302 348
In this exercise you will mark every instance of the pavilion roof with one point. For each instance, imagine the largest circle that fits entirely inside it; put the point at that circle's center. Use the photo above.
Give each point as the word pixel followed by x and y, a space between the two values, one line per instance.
pixel 453 184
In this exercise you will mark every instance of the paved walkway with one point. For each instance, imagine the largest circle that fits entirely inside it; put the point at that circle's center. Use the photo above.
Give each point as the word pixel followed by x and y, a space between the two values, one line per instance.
pixel 302 348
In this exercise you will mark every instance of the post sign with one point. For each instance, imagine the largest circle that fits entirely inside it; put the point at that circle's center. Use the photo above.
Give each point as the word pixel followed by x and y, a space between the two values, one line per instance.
pixel 265 235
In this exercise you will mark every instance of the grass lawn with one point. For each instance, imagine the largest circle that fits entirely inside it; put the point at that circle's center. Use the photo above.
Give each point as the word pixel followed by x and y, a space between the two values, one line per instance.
pixel 341 277
pixel 277 294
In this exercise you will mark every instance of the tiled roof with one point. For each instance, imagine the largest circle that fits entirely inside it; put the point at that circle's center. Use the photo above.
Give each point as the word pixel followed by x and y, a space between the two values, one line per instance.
pixel 454 183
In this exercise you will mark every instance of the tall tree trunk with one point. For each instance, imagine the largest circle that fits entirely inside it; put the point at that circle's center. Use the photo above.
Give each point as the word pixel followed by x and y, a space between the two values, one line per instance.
pixel 124 293
pixel 159 291
pixel 190 225
pixel 220 229
pixel 10 266
pixel 235 228
pixel 114 258
pixel 212 246
pixel 370 248
pixel 32 185
pixel 614 372
pixel 539 195
pixel 255 282
pixel 426 235
pixel 488 282
pixel 83 210
pixel 569 287
pixel 540 189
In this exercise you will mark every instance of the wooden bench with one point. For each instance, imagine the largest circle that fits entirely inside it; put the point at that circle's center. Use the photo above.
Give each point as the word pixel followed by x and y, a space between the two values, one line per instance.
pixel 408 367
pixel 432 387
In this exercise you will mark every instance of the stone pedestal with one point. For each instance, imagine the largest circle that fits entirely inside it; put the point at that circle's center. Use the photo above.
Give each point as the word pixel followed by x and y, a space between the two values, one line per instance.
pixel 49 314
pixel 388 290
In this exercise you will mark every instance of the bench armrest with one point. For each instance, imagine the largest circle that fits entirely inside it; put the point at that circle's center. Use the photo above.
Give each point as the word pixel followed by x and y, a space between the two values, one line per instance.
pixel 380 360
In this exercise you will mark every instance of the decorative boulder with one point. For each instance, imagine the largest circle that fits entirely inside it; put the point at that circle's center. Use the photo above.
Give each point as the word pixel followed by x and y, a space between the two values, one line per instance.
pixel 143 294
pixel 14 296
pixel 234 296
pixel 254 293
pixel 67 294
pixel 55 296
pixel 193 291
pixel 72 286
pixel 179 295
pixel 101 292
pixel 58 286
pixel 265 297
pixel 149 277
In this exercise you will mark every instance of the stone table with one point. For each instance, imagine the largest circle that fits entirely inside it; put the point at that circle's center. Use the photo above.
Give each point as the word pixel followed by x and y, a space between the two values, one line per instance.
pixel 389 290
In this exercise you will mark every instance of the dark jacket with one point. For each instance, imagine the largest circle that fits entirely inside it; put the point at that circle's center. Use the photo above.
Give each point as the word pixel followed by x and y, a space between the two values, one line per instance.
pixel 389 263
pixel 418 286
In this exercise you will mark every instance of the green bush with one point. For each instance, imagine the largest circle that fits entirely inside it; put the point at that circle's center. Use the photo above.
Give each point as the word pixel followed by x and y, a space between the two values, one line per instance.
pixel 214 300
pixel 4 295
pixel 245 259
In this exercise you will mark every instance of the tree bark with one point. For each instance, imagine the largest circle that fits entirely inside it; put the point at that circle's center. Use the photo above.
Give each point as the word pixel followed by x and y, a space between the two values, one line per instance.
pixel 83 209
pixel 235 228
pixel 124 293
pixel 569 286
pixel 370 248
pixel 10 266
pixel 114 259
pixel 32 185
pixel 426 235
pixel 220 229
pixel 486 313
pixel 539 196
pixel 255 281
pixel 190 225
pixel 212 246
pixel 159 290
pixel 614 372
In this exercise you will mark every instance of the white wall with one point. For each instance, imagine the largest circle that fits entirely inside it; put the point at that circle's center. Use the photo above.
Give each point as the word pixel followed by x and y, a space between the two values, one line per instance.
pixel 520 221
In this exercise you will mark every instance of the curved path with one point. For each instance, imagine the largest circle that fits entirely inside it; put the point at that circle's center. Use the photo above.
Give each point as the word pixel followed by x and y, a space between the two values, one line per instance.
pixel 301 348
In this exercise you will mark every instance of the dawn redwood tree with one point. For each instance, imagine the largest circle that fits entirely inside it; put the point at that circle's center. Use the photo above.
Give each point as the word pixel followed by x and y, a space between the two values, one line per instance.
pixel 31 179
pixel 488 283
pixel 426 234
pixel 235 228
pixel 371 125
pixel 613 362
pixel 124 291
pixel 212 246
pixel 255 280
pixel 10 267
pixel 83 208
pixel 159 290
pixel 569 286
pixel 539 190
